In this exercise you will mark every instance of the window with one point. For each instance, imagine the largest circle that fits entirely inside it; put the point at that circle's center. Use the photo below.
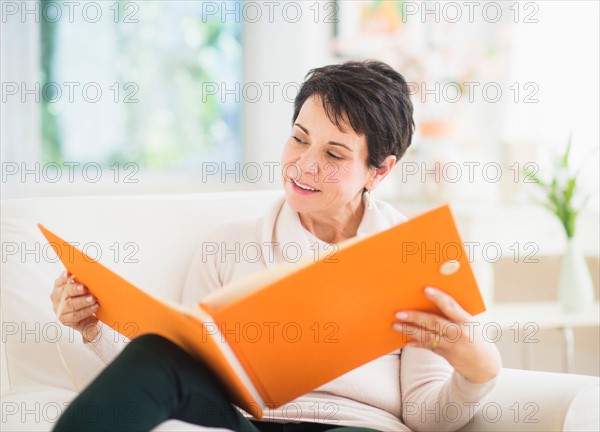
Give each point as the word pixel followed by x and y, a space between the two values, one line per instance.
pixel 135 82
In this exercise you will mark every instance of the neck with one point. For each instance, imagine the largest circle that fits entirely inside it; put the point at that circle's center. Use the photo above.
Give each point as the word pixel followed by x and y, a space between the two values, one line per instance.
pixel 337 227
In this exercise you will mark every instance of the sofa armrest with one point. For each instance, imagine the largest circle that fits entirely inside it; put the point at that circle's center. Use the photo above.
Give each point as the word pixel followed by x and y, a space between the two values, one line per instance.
pixel 539 401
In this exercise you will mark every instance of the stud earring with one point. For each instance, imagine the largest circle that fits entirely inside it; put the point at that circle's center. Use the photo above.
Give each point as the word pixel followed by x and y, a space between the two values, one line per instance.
pixel 367 194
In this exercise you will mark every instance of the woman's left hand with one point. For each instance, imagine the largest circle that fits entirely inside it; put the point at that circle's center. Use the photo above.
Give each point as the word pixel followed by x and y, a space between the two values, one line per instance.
pixel 455 335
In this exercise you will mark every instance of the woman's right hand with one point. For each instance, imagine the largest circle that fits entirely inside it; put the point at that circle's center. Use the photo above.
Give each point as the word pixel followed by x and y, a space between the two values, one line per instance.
pixel 75 307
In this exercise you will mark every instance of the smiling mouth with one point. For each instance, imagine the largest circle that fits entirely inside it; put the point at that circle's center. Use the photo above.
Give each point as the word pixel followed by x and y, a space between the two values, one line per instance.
pixel 303 186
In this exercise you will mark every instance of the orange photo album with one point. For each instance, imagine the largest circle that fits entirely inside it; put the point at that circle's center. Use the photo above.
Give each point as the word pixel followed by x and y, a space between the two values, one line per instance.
pixel 276 335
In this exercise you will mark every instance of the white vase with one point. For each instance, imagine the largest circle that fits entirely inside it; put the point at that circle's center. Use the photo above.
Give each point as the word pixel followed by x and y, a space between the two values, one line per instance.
pixel 575 287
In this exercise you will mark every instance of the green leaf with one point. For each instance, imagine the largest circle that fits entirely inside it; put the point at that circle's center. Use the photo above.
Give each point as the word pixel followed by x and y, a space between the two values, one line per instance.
pixel 553 200
pixel 565 157
pixel 570 189
pixel 531 174
pixel 560 191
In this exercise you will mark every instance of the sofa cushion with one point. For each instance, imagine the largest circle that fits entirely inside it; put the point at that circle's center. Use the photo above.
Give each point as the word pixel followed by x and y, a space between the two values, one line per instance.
pixel 539 401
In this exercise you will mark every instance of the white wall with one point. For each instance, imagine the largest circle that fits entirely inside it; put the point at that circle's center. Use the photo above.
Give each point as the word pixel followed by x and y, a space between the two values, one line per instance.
pixel 281 52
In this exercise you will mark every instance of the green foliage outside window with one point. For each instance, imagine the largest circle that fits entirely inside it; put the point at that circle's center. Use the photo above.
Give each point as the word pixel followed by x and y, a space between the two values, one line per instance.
pixel 153 66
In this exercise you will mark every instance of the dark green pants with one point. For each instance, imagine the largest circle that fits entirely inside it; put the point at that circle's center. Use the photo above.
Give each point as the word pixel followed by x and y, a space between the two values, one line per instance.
pixel 154 380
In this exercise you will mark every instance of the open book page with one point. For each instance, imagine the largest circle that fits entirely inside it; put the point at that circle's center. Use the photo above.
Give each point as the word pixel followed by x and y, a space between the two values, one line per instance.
pixel 250 284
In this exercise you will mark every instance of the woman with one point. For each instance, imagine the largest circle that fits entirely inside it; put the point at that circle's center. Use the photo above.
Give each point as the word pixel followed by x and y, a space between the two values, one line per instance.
pixel 351 124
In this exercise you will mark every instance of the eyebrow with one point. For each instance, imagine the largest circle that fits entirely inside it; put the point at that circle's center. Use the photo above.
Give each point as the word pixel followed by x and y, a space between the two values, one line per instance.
pixel 329 142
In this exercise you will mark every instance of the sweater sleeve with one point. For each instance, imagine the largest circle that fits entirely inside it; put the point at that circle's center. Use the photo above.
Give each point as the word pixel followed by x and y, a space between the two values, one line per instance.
pixel 107 344
pixel 434 396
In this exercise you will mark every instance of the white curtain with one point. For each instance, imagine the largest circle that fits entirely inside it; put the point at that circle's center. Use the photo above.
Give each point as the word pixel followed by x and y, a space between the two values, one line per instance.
pixel 20 121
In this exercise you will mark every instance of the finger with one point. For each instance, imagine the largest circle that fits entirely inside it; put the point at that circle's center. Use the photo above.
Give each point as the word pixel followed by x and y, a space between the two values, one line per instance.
pixel 449 307
pixel 427 321
pixel 61 280
pixel 74 289
pixel 72 304
pixel 430 342
pixel 81 302
pixel 56 295
pixel 75 317
pixel 419 336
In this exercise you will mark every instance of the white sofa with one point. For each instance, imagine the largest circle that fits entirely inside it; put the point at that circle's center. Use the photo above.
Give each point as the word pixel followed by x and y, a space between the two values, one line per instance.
pixel 149 240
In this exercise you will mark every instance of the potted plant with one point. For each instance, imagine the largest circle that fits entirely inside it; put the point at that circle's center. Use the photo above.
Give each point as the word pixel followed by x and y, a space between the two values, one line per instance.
pixel 575 287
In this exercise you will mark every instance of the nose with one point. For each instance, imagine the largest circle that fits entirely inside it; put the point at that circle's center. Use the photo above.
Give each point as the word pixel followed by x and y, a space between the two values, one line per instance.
pixel 309 163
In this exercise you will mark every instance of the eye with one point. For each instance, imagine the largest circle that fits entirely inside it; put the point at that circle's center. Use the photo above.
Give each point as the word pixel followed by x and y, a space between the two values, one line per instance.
pixel 298 140
pixel 336 157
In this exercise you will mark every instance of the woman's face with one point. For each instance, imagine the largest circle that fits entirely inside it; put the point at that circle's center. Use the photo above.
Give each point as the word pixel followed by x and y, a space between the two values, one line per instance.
pixel 324 169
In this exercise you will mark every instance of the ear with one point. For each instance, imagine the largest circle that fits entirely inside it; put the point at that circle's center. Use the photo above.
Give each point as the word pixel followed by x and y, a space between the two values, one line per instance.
pixel 380 173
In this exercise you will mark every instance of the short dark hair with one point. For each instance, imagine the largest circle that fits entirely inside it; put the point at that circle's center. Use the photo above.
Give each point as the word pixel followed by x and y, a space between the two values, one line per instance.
pixel 373 96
